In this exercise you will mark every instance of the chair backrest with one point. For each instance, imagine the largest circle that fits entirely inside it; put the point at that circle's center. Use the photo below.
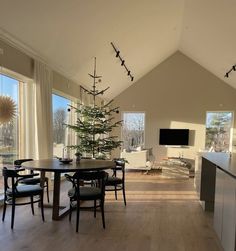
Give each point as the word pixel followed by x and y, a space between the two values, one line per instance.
pixel 18 162
pixel 97 176
pixel 120 166
pixel 93 175
pixel 9 174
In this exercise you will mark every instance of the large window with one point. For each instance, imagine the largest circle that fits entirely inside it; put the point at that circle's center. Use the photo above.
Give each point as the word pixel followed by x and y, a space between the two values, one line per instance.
pixel 61 135
pixel 133 130
pixel 219 131
pixel 9 130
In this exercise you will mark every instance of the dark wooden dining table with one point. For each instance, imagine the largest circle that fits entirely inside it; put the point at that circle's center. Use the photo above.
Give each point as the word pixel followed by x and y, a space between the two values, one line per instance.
pixel 55 166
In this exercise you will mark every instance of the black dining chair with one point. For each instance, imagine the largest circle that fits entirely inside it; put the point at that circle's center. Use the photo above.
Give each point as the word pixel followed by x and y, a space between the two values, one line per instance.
pixel 116 181
pixel 13 192
pixel 33 180
pixel 80 192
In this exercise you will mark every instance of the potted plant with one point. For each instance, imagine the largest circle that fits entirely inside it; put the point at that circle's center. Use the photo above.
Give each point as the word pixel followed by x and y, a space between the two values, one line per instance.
pixel 95 124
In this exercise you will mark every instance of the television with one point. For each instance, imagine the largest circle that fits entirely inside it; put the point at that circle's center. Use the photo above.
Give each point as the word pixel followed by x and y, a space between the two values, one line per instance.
pixel 174 137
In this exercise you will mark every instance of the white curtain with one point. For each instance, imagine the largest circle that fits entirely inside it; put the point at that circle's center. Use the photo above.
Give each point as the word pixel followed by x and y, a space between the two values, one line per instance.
pixel 27 121
pixel 43 98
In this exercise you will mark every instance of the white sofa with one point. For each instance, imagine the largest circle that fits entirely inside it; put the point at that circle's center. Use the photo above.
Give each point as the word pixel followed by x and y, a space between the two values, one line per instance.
pixel 137 160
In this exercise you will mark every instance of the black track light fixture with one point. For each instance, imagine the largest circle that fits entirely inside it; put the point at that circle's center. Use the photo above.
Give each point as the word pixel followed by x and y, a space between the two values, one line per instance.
pixel 229 71
pixel 122 62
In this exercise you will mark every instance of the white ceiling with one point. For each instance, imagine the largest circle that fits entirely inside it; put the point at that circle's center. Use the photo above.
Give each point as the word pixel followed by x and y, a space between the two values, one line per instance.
pixel 67 35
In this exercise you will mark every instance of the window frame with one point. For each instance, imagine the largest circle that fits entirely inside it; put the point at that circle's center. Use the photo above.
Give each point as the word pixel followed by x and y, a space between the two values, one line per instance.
pixel 72 100
pixel 144 131
pixel 231 127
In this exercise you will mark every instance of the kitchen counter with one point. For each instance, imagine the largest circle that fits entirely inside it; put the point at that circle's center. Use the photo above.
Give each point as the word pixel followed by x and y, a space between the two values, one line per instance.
pixel 218 191
pixel 223 161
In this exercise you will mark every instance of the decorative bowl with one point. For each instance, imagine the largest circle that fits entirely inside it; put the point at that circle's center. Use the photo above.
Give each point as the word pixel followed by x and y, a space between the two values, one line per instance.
pixel 65 161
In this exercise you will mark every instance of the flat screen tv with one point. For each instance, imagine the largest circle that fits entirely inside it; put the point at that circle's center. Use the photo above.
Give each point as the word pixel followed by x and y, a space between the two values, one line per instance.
pixel 174 137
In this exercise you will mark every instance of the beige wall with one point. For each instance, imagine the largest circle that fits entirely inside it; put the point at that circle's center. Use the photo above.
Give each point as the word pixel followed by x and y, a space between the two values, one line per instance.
pixel 65 86
pixel 177 94
pixel 18 62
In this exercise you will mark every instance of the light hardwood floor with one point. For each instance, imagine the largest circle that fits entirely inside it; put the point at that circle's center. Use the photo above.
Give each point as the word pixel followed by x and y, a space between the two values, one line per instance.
pixel 161 215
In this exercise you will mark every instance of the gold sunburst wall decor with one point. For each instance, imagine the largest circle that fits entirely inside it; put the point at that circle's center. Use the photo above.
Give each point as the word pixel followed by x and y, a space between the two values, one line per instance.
pixel 7 109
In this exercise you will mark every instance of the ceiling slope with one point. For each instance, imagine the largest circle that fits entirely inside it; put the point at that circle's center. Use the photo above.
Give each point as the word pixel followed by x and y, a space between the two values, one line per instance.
pixel 209 37
pixel 67 35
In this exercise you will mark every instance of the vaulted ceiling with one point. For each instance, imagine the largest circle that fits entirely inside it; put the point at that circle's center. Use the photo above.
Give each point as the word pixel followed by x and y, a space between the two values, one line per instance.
pixel 67 35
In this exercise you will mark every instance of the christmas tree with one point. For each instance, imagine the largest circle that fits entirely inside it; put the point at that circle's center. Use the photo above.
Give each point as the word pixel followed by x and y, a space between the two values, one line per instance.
pixel 95 123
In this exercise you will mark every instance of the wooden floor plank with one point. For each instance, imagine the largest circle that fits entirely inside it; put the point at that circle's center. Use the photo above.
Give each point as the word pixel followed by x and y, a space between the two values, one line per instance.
pixel 161 214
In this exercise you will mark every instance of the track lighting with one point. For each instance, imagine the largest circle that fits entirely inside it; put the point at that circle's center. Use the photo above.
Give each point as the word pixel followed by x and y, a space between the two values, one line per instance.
pixel 122 62
pixel 228 72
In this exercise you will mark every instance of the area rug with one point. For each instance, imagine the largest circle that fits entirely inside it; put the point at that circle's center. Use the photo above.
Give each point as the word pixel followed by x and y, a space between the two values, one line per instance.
pixel 170 172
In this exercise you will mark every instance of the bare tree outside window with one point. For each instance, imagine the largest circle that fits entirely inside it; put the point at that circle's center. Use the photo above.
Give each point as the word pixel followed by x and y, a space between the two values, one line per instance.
pixel 218 131
pixel 133 130
pixel 60 118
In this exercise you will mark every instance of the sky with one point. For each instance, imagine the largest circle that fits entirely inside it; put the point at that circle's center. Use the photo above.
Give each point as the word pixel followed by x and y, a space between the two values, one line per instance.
pixel 59 102
pixel 213 115
pixel 9 87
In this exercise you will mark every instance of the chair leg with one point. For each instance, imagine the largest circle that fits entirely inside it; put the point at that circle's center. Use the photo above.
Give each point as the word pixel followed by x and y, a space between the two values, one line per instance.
pixel 32 204
pixel 123 189
pixel 70 212
pixel 47 190
pixel 41 205
pixel 4 211
pixel 103 215
pixel 95 208
pixel 77 215
pixel 115 192
pixel 13 213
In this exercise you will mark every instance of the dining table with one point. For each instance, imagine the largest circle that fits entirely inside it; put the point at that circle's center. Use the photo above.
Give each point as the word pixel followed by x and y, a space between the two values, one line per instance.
pixel 58 168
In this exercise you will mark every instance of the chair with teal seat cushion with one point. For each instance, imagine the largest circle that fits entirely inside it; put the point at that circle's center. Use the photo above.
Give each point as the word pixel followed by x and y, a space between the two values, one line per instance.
pixel 14 192
pixel 116 181
pixel 33 180
pixel 80 192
